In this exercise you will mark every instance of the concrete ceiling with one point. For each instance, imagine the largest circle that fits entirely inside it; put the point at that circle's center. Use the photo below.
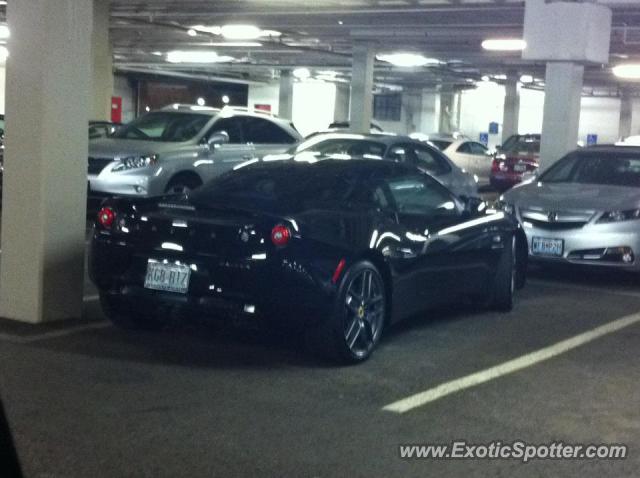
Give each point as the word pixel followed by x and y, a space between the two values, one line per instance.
pixel 319 34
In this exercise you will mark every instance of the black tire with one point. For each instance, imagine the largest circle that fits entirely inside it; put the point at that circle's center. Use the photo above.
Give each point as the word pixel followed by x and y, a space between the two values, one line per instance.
pixel 355 326
pixel 183 183
pixel 122 315
pixel 504 282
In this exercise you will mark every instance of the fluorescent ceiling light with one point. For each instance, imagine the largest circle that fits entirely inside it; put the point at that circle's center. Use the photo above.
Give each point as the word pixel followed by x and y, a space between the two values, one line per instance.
pixel 180 56
pixel 237 44
pixel 407 60
pixel 4 32
pixel 236 32
pixel 301 73
pixel 629 71
pixel 526 79
pixel 240 32
pixel 504 44
pixel 191 32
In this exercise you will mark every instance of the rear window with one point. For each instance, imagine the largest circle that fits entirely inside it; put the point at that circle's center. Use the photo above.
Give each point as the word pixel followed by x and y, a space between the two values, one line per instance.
pixel 351 147
pixel 440 144
pixel 279 189
pixel 522 145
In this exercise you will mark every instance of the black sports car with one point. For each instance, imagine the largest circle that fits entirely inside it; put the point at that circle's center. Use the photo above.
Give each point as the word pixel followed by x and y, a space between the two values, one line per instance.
pixel 340 248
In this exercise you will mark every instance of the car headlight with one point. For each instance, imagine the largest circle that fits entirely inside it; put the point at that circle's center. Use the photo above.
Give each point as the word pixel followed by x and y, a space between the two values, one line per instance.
pixel 135 162
pixel 617 216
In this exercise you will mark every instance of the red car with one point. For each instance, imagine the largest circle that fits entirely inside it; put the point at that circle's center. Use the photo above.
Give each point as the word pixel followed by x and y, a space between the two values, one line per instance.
pixel 517 156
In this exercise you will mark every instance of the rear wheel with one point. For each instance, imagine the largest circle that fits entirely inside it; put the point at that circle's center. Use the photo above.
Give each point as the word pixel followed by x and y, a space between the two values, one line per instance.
pixel 354 329
pixel 124 316
pixel 183 183
pixel 504 283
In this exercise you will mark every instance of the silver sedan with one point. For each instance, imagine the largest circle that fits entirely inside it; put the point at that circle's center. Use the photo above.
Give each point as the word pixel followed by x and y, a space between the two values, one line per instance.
pixel 584 209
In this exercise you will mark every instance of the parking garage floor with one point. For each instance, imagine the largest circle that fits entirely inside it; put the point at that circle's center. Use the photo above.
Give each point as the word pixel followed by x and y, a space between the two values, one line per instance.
pixel 87 399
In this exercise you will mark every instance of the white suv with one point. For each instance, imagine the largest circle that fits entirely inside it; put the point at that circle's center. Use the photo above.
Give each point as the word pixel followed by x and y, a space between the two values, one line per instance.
pixel 180 147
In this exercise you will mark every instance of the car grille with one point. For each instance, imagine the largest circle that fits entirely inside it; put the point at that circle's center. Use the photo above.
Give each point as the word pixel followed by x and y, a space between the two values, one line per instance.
pixel 96 165
pixel 556 220
pixel 556 226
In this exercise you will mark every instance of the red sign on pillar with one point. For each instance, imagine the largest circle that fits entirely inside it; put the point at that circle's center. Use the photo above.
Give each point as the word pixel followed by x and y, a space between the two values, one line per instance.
pixel 116 109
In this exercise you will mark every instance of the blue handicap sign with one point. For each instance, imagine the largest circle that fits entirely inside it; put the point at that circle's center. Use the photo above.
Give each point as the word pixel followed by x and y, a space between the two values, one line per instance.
pixel 592 139
pixel 493 127
pixel 484 138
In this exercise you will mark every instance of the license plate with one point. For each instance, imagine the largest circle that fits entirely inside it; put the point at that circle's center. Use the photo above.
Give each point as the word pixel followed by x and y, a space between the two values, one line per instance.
pixel 518 168
pixel 547 247
pixel 167 277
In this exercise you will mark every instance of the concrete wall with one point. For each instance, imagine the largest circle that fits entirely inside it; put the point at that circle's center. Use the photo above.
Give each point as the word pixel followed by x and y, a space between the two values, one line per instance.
pixel 122 88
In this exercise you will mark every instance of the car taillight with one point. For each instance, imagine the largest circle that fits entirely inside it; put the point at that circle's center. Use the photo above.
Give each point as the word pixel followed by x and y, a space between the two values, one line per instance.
pixel 495 165
pixel 106 216
pixel 280 235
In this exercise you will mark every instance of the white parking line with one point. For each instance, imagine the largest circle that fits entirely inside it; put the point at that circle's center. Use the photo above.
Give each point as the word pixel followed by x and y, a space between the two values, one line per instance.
pixel 584 288
pixel 442 390
pixel 16 339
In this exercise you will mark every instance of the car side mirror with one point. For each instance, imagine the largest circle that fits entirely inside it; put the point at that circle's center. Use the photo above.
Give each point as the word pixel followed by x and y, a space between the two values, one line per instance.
pixel 472 205
pixel 218 139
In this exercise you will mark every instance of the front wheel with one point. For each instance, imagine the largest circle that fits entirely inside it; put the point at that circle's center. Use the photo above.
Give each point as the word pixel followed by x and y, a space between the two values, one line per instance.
pixel 354 329
pixel 183 184
pixel 504 282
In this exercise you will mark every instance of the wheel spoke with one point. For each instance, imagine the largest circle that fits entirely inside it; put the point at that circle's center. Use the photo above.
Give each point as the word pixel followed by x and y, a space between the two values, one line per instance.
pixel 352 304
pixel 353 333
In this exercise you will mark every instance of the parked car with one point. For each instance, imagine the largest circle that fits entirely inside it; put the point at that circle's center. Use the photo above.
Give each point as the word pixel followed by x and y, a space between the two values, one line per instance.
pixel 389 147
pixel 180 147
pixel 469 155
pixel 102 129
pixel 339 248
pixel 518 156
pixel 584 209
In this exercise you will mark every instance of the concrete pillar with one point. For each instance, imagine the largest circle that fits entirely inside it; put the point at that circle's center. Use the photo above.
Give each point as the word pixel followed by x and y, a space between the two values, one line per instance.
pixel 560 121
pixel 361 107
pixel 511 107
pixel 449 116
pixel 626 113
pixel 45 161
pixel 285 103
pixel 343 97
pixel 102 63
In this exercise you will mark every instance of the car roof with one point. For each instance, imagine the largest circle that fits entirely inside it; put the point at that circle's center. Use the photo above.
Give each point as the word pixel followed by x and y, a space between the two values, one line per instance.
pixel 613 148
pixel 382 137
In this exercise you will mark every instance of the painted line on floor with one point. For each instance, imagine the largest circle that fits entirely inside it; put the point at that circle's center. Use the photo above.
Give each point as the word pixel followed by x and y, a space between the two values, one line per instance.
pixel 16 339
pixel 431 395
pixel 583 288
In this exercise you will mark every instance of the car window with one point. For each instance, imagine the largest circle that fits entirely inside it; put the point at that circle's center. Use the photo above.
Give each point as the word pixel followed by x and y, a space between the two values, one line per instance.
pixel 606 168
pixel 440 143
pixel 231 126
pixel 464 148
pixel 164 126
pixel 429 160
pixel 478 148
pixel 418 194
pixel 262 131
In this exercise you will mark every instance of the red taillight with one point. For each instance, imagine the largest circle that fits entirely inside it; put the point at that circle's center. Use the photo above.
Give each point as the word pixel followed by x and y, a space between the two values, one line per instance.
pixel 338 271
pixel 495 166
pixel 106 216
pixel 280 235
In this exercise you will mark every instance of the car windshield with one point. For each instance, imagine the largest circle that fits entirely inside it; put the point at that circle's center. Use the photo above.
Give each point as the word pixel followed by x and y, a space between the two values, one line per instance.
pixel 278 188
pixel 606 168
pixel 441 144
pixel 164 126
pixel 522 145
pixel 349 147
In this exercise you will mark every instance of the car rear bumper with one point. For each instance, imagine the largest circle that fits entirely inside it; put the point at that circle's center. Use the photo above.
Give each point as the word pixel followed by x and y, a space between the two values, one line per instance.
pixel 240 287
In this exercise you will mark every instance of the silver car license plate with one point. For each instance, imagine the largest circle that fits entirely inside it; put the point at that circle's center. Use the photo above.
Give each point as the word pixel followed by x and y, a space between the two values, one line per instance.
pixel 167 277
pixel 518 168
pixel 543 246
